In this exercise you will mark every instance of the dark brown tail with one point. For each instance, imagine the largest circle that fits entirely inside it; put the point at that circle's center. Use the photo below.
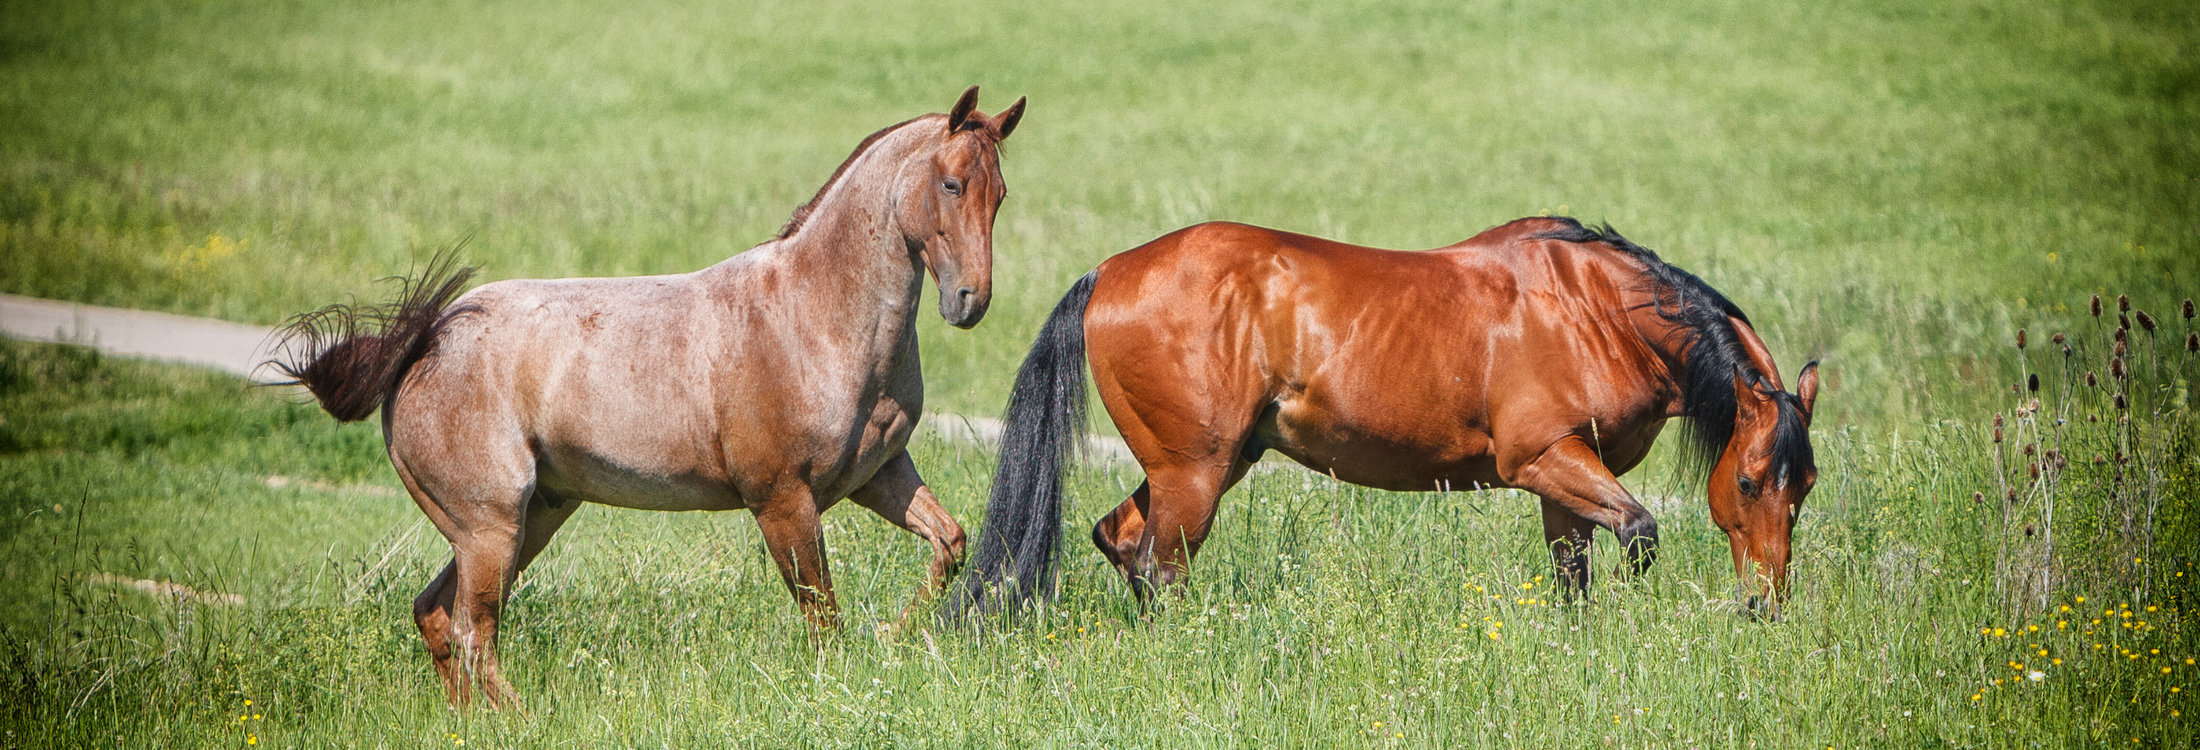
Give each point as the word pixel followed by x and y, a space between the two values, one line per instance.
pixel 352 356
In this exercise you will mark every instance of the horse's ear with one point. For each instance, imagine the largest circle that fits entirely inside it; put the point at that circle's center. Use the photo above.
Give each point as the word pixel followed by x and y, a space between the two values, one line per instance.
pixel 962 110
pixel 1806 388
pixel 1005 122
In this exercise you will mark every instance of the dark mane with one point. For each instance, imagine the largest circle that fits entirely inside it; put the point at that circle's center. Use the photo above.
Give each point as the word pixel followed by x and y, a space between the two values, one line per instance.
pixel 1713 352
pixel 802 212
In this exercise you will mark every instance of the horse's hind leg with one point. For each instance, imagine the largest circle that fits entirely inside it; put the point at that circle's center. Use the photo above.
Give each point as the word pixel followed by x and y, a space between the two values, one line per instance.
pixel 484 516
pixel 899 495
pixel 1179 515
pixel 1118 532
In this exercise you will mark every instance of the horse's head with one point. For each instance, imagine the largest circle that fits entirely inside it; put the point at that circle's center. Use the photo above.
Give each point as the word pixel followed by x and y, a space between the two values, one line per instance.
pixel 946 200
pixel 1757 487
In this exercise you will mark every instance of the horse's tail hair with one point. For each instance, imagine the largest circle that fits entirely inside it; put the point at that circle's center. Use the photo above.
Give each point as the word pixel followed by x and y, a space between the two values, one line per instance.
pixel 1014 562
pixel 351 356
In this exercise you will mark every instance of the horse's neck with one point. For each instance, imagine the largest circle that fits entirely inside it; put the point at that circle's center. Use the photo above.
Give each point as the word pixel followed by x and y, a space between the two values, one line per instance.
pixel 848 263
pixel 1667 340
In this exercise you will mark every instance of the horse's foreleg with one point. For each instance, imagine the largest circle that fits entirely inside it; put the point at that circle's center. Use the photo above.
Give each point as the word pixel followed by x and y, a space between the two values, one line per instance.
pixel 898 494
pixel 1570 538
pixel 796 538
pixel 1570 475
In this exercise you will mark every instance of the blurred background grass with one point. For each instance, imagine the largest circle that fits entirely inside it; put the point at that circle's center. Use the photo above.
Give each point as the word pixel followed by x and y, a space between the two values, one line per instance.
pixel 1891 187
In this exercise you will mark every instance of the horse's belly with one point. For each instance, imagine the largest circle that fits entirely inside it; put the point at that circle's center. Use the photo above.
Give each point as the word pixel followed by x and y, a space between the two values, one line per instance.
pixel 1400 460
pixel 594 479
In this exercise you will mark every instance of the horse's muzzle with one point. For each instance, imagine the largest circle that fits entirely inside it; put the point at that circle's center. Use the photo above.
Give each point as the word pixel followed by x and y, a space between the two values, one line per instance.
pixel 963 307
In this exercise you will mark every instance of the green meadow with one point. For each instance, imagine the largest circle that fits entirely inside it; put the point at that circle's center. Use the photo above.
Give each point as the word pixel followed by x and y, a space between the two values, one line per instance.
pixel 1894 189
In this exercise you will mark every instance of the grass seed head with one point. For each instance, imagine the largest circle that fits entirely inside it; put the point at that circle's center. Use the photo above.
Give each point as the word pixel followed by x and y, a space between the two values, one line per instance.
pixel 2058 338
pixel 2123 303
pixel 2188 308
pixel 2096 306
pixel 2032 382
pixel 2192 342
pixel 2020 338
pixel 2146 322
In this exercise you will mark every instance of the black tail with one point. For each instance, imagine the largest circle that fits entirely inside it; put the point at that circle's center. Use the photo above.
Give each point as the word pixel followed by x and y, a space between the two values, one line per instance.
pixel 1046 420
pixel 352 356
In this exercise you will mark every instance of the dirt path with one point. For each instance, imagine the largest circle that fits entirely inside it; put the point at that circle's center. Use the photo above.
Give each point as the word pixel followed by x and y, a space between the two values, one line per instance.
pixel 222 345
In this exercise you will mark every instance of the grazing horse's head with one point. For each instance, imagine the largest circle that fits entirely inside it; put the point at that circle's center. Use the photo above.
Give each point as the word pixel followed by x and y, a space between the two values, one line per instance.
pixel 946 202
pixel 1758 485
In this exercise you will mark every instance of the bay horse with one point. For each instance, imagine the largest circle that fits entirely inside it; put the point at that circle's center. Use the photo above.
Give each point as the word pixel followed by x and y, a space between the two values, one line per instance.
pixel 780 380
pixel 1541 355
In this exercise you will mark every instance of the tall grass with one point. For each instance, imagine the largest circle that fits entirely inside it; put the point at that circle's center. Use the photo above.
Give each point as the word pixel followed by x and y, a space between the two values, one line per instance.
pixel 1320 614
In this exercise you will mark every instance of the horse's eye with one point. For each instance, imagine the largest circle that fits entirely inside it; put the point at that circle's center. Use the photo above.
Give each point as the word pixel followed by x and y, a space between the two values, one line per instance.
pixel 952 186
pixel 1749 487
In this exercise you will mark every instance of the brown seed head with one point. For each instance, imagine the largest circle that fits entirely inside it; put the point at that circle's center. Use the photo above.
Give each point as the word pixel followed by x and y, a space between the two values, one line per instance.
pixel 2123 303
pixel 2058 337
pixel 2146 322
pixel 2020 338
pixel 2120 349
pixel 1978 497
pixel 2090 381
pixel 2096 305
pixel 1997 420
pixel 1997 433
pixel 2098 460
pixel 2188 308
pixel 2192 342
pixel 2032 382
pixel 2120 405
pixel 2123 322
pixel 2028 449
pixel 2116 368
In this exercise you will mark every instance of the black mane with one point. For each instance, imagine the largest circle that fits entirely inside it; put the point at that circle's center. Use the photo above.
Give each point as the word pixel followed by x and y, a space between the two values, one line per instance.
pixel 1713 354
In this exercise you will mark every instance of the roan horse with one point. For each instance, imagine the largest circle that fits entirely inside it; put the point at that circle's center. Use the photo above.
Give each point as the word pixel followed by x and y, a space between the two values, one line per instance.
pixel 780 380
pixel 1540 355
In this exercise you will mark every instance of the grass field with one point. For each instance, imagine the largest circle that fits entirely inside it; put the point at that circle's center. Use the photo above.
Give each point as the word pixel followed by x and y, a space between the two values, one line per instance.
pixel 1891 188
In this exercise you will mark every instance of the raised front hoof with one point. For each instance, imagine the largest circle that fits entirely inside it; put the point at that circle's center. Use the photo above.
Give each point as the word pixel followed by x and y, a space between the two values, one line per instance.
pixel 1638 547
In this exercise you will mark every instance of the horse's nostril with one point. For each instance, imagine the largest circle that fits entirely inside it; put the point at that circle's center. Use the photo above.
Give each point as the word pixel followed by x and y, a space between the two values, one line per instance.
pixel 965 292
